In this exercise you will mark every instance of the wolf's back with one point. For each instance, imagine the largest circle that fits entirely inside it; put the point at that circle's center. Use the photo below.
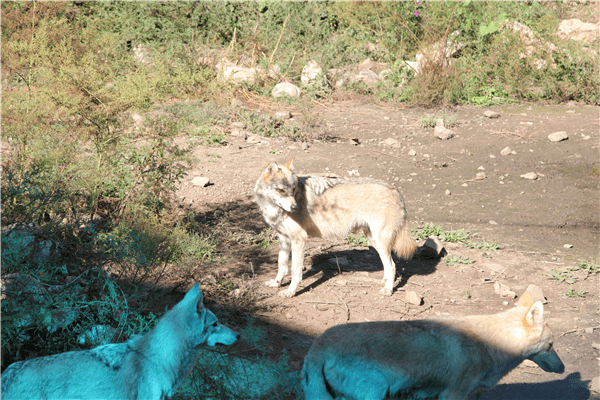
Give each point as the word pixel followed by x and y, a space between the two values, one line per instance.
pixel 72 375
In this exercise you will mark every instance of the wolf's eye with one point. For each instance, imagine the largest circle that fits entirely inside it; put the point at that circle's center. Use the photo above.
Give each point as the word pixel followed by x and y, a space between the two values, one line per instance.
pixel 281 190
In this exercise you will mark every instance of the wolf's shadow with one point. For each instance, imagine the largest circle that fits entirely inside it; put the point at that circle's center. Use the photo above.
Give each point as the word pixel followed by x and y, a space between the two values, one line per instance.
pixel 364 260
pixel 570 388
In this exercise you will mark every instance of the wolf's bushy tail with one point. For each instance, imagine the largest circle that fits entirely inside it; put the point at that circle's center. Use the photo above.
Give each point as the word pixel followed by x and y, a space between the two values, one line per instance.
pixel 404 245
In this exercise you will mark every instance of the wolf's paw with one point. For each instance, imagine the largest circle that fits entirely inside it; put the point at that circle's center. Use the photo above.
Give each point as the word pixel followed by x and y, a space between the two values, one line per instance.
pixel 286 293
pixel 386 292
pixel 272 283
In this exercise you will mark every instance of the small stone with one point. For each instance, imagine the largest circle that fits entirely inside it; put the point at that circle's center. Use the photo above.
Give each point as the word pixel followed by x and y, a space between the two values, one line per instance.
pixel 491 114
pixel 506 151
pixel 442 133
pixel 432 248
pixel 504 291
pixel 480 175
pixel 304 146
pixel 530 175
pixel 532 294
pixel 200 181
pixel 594 384
pixel 390 142
pixel 286 88
pixel 481 168
pixel 412 153
pixel 596 346
pixel 568 246
pixel 283 115
pixel 236 103
pixel 558 136
pixel 448 193
pixel 492 222
pixel 254 139
pixel 237 125
pixel 589 330
pixel 413 298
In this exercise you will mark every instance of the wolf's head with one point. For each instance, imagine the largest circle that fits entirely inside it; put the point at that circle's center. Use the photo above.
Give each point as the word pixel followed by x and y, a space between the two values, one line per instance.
pixel 201 325
pixel 540 348
pixel 278 184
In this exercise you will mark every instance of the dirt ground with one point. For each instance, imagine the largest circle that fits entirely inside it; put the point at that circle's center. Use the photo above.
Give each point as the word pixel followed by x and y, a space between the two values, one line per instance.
pixel 531 220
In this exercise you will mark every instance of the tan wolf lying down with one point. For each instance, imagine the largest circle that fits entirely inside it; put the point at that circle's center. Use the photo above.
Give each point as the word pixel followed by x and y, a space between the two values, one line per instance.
pixel 150 366
pixel 443 359
pixel 297 207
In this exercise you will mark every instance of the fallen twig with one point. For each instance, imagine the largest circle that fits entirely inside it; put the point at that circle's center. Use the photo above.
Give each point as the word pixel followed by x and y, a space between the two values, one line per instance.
pixel 577 330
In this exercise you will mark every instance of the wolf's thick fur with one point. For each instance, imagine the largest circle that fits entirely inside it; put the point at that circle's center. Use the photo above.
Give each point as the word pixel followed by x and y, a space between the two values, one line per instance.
pixel 301 206
pixel 427 358
pixel 150 366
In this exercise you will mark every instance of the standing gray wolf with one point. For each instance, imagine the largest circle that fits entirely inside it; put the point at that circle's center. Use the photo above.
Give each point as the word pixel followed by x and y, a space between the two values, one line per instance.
pixel 297 207
pixel 443 359
pixel 149 366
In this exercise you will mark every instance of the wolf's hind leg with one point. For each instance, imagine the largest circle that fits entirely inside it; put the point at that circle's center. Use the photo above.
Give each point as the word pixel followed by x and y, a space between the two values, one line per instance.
pixel 283 261
pixel 389 268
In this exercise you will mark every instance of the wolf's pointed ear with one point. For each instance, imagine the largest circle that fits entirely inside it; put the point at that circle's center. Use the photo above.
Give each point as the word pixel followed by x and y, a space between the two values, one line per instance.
pixel 290 164
pixel 271 169
pixel 535 315
pixel 192 297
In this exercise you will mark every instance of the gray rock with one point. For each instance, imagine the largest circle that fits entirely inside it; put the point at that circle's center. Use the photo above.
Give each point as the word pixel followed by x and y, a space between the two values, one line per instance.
pixel 532 294
pixel 432 248
pixel 310 72
pixel 442 133
pixel 491 114
pixel 558 136
pixel 412 297
pixel 505 151
pixel 283 115
pixel 201 181
pixel 504 291
pixel 530 175
pixel 286 89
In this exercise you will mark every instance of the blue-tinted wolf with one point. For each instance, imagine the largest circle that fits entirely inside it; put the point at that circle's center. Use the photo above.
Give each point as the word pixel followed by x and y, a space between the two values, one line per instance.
pixel 150 366
pixel 442 359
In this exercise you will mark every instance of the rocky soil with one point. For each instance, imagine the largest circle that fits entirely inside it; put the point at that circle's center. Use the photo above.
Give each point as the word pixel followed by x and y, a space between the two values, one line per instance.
pixel 498 176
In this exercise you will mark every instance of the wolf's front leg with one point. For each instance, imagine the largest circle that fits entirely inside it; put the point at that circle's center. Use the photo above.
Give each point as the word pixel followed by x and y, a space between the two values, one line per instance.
pixel 283 261
pixel 297 264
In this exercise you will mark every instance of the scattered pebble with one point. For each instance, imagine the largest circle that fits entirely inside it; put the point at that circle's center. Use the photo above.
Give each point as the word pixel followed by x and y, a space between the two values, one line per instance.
pixel 413 298
pixel 491 114
pixel 530 175
pixel 412 153
pixel 506 151
pixel 504 291
pixel 558 136
pixel 568 246
pixel 480 175
pixel 201 181
pixel 448 192
pixel 492 222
